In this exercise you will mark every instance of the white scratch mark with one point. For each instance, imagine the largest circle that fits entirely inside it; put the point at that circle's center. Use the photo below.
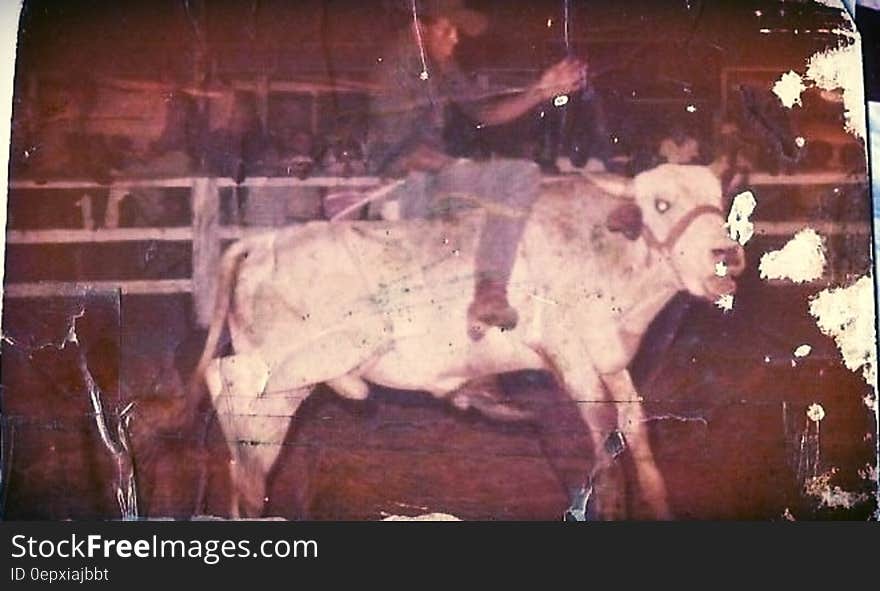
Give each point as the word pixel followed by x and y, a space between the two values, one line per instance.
pixel 834 69
pixel 426 517
pixel 681 418
pixel 789 88
pixel 802 351
pixel 71 330
pixel 421 508
pixel 126 410
pixel 869 473
pixel 721 269
pixel 738 225
pixel 544 300
pixel 70 337
pixel 418 29
pixel 801 259
pixel 832 497
pixel 800 142
pixel 850 33
pixel 841 68
pixel 815 412
pixel 847 315
pixel 831 3
pixel 725 302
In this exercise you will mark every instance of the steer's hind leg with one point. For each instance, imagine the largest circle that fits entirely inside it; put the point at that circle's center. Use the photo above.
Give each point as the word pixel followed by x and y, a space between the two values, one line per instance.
pixel 254 418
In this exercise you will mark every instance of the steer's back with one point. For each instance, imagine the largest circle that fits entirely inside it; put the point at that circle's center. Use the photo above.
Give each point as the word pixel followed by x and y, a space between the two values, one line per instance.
pixel 322 278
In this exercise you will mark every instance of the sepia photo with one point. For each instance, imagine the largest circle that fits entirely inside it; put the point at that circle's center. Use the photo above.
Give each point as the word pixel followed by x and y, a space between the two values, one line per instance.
pixel 438 259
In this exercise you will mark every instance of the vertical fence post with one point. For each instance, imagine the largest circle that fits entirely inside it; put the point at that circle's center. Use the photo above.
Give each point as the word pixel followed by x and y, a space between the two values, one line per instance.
pixel 87 211
pixel 205 246
pixel 263 100
pixel 114 203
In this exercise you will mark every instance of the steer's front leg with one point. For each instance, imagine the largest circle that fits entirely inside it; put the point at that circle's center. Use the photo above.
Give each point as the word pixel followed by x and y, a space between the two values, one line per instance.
pixel 631 418
pixel 582 383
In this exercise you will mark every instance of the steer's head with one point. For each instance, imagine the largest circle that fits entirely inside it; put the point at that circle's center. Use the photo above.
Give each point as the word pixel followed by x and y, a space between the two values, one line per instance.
pixel 676 209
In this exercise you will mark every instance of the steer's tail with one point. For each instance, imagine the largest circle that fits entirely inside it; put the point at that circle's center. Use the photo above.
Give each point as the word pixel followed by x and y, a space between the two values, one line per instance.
pixel 229 264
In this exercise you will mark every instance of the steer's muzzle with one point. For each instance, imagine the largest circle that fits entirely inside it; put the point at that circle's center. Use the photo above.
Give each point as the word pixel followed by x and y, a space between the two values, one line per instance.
pixel 733 258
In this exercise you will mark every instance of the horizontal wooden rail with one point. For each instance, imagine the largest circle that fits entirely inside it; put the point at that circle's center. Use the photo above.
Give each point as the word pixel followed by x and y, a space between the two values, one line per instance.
pixel 102 235
pixel 825 229
pixel 187 183
pixel 806 178
pixel 42 289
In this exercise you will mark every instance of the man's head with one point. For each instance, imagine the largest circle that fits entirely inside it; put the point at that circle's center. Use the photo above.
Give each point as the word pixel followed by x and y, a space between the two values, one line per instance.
pixel 441 21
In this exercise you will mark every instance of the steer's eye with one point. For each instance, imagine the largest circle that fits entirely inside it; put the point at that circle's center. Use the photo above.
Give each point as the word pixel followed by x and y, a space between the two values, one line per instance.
pixel 662 205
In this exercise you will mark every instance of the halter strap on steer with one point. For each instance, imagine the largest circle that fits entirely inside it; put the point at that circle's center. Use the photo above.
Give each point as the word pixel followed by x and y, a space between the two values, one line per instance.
pixel 679 228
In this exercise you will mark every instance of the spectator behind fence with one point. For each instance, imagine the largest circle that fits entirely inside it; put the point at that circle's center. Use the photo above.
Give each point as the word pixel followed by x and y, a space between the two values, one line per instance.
pixel 734 157
pixel 291 154
pixel 169 156
pixel 679 147
pixel 343 156
pixel 151 206
pixel 235 147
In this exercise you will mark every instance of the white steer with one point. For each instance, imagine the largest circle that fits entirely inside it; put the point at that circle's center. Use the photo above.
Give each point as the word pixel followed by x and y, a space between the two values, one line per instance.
pixel 352 303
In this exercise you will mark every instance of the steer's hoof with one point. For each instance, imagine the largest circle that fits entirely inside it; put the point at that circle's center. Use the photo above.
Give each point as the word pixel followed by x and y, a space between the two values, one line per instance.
pixel 488 405
pixel 580 505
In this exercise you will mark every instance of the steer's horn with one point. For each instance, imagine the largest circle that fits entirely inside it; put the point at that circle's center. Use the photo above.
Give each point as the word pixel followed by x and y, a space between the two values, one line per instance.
pixel 613 184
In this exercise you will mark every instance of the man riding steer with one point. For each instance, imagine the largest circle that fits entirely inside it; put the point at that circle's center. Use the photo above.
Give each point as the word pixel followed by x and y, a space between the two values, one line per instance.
pixel 418 79
pixel 352 303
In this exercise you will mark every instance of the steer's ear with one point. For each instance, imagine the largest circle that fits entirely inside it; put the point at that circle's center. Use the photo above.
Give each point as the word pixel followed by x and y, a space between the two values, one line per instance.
pixel 612 184
pixel 626 219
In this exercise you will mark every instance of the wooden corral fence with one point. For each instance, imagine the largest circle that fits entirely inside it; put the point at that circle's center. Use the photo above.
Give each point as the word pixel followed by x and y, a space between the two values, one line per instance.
pixel 206 233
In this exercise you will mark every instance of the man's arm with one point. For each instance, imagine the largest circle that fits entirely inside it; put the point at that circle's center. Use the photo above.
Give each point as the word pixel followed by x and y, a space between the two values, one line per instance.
pixel 564 77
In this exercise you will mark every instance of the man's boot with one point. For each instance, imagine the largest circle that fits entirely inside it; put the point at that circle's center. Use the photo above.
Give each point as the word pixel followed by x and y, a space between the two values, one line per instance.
pixel 494 260
pixel 490 305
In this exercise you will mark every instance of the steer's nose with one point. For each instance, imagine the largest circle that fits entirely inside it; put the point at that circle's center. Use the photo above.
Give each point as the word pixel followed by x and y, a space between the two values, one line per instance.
pixel 733 258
